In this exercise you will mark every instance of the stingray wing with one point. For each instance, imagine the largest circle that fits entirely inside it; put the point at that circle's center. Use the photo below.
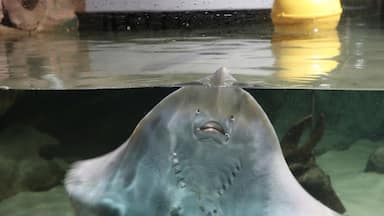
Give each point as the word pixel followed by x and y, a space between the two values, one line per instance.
pixel 98 184
pixel 84 181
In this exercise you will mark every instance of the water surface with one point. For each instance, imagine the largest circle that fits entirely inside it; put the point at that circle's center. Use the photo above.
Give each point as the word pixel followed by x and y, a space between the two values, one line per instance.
pixel 347 58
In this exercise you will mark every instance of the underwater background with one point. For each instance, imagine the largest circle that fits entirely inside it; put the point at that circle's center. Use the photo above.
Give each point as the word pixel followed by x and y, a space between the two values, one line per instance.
pixel 58 106
pixel 45 131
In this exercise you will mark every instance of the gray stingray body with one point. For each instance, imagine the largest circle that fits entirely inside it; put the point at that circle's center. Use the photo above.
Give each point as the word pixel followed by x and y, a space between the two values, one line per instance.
pixel 203 151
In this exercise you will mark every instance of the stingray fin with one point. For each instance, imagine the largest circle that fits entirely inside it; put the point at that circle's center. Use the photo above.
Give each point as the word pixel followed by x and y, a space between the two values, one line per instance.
pixel 86 180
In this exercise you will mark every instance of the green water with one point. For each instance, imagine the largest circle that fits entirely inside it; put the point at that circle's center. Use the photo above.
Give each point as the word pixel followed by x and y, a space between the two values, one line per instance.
pixel 43 132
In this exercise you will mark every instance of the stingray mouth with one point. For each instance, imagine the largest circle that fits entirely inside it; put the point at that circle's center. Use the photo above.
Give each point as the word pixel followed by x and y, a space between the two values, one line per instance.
pixel 212 130
pixel 212 127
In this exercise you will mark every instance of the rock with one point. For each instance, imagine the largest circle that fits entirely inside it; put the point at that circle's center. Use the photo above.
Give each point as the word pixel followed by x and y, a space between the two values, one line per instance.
pixel 79 5
pixel 25 14
pixel 7 173
pixel 21 167
pixel 52 202
pixel 1 12
pixel 60 16
pixel 376 161
pixel 41 15
pixel 315 181
pixel 302 162
pixel 36 174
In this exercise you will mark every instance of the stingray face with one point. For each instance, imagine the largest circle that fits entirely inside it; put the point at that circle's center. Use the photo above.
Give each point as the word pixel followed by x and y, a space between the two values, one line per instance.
pixel 216 132
pixel 222 118
pixel 209 129
pixel 206 117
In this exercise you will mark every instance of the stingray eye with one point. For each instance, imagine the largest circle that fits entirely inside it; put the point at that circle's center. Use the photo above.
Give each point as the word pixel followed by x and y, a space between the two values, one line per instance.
pixel 197 111
pixel 232 118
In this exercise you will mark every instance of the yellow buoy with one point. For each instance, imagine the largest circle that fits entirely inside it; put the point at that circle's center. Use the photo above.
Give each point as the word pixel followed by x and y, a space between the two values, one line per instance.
pixel 307 15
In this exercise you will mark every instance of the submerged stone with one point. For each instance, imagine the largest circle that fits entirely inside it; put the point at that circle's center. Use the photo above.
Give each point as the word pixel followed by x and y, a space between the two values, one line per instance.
pixel 376 161
pixel 52 202
pixel 21 167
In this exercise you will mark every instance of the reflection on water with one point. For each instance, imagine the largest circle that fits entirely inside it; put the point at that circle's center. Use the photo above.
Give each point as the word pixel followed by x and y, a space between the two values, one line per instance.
pixel 304 58
pixel 42 62
pixel 347 58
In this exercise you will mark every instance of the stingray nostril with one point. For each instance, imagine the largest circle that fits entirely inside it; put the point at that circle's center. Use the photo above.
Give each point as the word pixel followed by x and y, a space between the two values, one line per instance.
pixel 229 181
pixel 177 171
pixel 175 211
pixel 227 136
pixel 224 187
pixel 220 192
pixel 202 209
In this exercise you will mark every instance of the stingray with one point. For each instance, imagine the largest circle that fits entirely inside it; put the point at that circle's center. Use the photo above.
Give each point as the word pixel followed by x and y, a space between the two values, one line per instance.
pixel 204 150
